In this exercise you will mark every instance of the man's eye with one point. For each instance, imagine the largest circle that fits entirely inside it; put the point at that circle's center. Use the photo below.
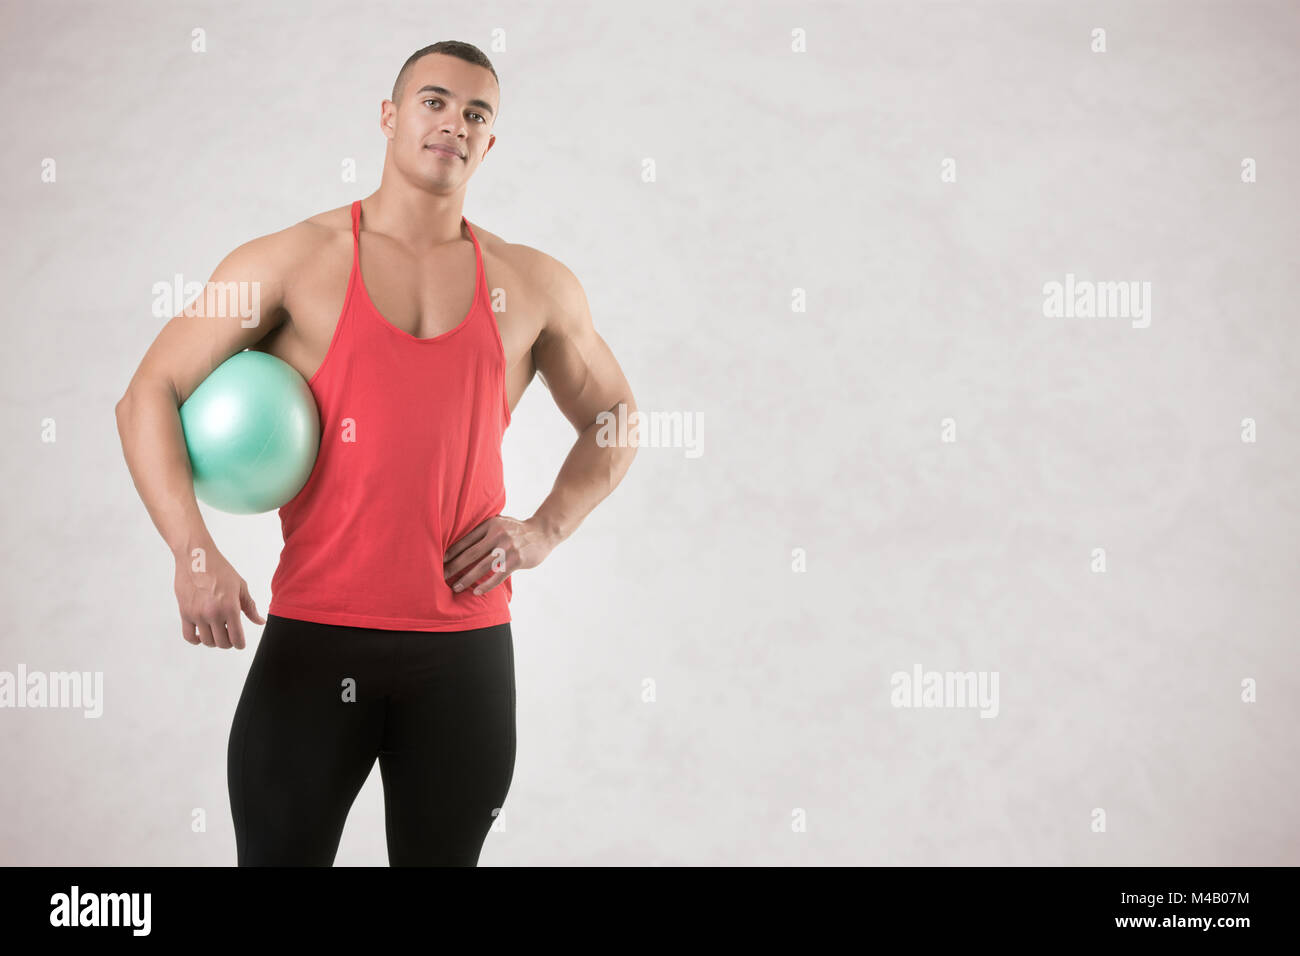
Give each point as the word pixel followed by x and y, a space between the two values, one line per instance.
pixel 481 117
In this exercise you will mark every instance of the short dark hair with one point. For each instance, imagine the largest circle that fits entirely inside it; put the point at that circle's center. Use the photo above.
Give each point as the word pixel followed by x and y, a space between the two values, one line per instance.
pixel 464 51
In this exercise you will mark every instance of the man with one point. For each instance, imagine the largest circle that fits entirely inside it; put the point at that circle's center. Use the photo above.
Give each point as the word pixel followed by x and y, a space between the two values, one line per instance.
pixel 388 633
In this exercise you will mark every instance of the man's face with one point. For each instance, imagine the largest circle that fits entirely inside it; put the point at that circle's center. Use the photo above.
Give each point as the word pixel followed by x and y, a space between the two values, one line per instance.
pixel 442 128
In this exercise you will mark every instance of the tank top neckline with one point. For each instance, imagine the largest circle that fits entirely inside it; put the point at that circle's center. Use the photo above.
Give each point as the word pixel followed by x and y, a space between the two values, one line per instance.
pixel 479 283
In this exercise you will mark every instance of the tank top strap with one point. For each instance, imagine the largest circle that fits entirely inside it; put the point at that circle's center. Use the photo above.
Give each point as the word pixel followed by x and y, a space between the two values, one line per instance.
pixel 481 292
pixel 355 275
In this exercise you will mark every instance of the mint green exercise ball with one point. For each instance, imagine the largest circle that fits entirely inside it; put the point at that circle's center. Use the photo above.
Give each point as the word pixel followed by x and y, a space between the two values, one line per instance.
pixel 252 431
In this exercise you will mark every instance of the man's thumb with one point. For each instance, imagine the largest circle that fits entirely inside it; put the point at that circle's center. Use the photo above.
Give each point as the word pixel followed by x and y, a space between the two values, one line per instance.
pixel 250 606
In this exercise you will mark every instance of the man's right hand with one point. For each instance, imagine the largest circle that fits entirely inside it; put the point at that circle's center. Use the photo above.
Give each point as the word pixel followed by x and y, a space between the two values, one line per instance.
pixel 211 599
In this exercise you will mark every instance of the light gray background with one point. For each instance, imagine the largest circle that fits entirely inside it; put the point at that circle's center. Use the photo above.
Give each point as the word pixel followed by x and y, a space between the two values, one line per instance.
pixel 776 170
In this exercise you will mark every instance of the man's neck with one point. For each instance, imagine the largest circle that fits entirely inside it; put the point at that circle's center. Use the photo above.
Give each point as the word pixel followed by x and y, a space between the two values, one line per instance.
pixel 418 219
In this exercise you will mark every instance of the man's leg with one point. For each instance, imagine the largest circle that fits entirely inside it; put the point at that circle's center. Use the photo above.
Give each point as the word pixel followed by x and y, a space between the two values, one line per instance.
pixel 304 738
pixel 449 752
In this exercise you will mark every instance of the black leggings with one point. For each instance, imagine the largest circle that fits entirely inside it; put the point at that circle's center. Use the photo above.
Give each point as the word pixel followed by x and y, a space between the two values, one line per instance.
pixel 322 701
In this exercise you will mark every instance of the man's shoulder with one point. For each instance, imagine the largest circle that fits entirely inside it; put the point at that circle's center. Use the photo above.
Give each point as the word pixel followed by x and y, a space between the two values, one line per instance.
pixel 540 270
pixel 304 237
pixel 324 225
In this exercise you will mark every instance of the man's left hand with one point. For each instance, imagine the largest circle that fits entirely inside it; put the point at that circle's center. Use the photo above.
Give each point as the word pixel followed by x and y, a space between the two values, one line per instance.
pixel 500 545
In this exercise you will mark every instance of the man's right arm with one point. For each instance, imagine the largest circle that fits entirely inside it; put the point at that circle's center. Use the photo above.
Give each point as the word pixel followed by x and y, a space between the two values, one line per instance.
pixel 185 352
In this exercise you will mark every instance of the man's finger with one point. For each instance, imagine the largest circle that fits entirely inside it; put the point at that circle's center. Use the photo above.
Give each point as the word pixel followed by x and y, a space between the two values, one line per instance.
pixel 492 582
pixel 471 537
pixel 467 559
pixel 235 628
pixel 474 573
pixel 187 631
pixel 219 634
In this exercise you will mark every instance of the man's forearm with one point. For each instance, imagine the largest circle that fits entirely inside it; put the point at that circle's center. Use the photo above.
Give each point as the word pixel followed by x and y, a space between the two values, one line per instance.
pixel 153 444
pixel 591 471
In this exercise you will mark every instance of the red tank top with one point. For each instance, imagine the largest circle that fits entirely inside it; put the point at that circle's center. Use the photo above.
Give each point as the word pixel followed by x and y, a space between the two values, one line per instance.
pixel 409 461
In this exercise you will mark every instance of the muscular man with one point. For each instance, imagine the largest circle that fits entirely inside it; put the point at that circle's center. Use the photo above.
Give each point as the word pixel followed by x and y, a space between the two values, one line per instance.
pixel 388 633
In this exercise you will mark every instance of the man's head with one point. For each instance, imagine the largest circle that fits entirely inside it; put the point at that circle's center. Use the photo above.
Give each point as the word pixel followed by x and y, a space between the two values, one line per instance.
pixel 446 97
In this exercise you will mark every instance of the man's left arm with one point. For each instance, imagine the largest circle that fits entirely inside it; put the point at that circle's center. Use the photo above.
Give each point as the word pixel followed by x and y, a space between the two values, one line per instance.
pixel 584 379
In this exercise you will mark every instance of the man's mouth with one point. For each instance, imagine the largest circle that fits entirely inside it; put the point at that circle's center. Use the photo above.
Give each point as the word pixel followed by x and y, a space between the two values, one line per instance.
pixel 444 149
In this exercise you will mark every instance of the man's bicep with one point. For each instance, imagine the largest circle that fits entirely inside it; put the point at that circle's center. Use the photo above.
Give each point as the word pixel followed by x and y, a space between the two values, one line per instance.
pixel 239 305
pixel 571 358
